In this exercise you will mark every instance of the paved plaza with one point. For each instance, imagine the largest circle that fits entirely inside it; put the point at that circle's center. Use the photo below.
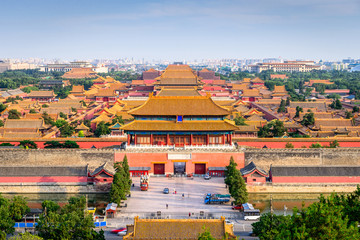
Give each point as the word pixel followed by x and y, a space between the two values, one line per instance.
pixel 189 197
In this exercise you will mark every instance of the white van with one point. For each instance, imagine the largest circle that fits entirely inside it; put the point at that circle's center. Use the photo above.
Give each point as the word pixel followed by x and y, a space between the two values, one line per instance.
pixel 251 214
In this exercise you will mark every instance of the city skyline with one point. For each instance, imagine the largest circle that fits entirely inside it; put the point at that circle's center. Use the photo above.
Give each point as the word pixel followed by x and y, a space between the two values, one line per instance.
pixel 180 31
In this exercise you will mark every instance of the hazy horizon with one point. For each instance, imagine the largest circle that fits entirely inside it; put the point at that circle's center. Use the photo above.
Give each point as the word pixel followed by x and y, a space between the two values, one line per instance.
pixel 177 31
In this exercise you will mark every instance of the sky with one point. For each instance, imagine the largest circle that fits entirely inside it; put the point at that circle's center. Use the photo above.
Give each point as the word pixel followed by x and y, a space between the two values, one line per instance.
pixel 180 30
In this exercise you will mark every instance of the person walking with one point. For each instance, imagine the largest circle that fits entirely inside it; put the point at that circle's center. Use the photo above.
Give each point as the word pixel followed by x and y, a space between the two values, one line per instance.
pixel 167 206
pixel 189 214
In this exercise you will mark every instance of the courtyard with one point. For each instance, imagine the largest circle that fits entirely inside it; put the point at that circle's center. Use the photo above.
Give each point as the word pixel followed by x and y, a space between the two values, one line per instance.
pixel 189 197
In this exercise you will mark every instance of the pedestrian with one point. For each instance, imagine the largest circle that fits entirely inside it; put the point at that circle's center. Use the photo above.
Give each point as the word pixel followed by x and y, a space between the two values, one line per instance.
pixel 167 206
pixel 189 214
pixel 183 195
pixel 133 185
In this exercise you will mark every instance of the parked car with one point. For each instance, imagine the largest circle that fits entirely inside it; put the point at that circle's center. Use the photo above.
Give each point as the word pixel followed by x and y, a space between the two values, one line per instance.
pixel 207 177
pixel 122 233
pixel 118 230
pixel 166 191
pixel 229 222
pixel 237 207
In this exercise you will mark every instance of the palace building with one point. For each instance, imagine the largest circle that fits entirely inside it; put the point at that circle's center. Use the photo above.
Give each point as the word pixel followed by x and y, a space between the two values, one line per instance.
pixel 177 75
pixel 180 121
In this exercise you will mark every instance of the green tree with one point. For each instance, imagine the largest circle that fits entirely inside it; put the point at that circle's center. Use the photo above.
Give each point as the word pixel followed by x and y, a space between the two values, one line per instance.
pixel 321 220
pixel 1 123
pixel 240 121
pixel 53 144
pixel 235 183
pixel 118 119
pixel 316 145
pixel 6 145
pixel 298 111
pixel 63 115
pixel 287 101
pixel 336 104
pixel 126 168
pixel 308 119
pixel 60 122
pixel 355 109
pixel 2 107
pixel 205 234
pixel 14 114
pixel 274 128
pixel 49 206
pixel 289 145
pixel 66 130
pixel 102 129
pixel 27 144
pixel 71 222
pixel 282 107
pixel 29 89
pixel 117 191
pixel 81 133
pixel 70 144
pixel 47 119
pixel 270 226
pixel 45 106
pixel 32 111
pixel 238 190
pixel 348 115
pixel 6 221
pixel 25 236
pixel 18 208
pixel 334 144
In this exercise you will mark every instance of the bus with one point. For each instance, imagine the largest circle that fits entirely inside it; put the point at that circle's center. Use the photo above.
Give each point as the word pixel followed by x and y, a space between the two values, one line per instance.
pixel 251 214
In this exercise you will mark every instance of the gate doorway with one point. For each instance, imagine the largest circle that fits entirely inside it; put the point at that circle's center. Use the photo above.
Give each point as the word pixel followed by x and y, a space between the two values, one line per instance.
pixel 159 169
pixel 179 167
pixel 200 168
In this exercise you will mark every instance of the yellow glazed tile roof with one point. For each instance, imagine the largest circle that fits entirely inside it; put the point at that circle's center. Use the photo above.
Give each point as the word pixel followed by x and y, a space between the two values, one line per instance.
pixel 178 229
pixel 152 125
pixel 180 106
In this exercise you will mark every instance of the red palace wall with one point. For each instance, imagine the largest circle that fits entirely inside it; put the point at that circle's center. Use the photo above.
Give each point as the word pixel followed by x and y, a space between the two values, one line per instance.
pixel 83 145
pixel 211 159
pixel 316 179
pixel 57 179
pixel 282 144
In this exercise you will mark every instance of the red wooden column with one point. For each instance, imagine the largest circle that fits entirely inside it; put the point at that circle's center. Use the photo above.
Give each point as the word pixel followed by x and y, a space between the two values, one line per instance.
pixel 151 139
pixel 223 139
pixel 128 139
pixel 167 139
pixel 207 139
pixel 135 139
pixel 230 139
pixel 191 139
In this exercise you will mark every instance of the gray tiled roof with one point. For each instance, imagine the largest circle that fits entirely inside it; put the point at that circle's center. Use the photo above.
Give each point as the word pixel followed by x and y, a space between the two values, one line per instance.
pixel 315 171
pixel 43 171
pixel 251 167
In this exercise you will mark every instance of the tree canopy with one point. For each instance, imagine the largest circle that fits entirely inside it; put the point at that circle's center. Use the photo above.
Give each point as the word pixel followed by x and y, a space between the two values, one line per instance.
pixel 333 217
pixel 235 183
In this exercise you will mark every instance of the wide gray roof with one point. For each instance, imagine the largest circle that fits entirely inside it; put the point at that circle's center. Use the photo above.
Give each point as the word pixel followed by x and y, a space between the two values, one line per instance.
pixel 315 171
pixel 43 171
